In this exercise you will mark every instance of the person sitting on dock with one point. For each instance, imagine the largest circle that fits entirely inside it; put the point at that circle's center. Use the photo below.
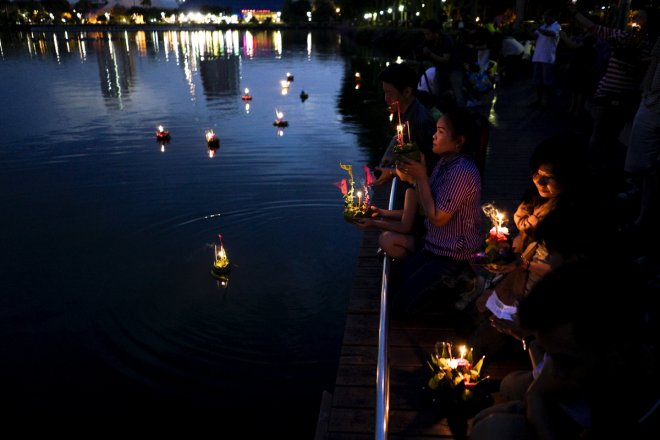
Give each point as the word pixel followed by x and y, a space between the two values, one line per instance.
pixel 592 346
pixel 399 85
pixel 403 229
pixel 557 167
pixel 451 201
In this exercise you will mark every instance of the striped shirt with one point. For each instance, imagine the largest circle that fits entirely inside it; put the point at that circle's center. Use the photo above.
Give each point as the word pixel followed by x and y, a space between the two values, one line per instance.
pixel 625 67
pixel 456 187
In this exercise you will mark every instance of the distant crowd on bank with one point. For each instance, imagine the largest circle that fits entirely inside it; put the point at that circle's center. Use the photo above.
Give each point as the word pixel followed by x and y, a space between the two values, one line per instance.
pixel 581 292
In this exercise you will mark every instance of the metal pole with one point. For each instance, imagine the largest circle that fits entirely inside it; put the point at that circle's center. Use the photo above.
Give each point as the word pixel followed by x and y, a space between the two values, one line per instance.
pixel 383 367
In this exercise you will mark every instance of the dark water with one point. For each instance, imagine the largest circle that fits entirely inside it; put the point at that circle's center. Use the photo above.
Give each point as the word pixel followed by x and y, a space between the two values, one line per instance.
pixel 107 305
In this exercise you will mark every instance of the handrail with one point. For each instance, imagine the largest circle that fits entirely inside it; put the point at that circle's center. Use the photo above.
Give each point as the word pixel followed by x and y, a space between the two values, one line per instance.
pixel 382 367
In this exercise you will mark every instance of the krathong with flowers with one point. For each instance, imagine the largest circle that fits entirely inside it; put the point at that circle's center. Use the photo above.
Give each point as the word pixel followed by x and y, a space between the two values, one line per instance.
pixel 404 146
pixel 221 266
pixel 356 202
pixel 456 388
pixel 162 135
pixel 212 140
pixel 279 119
pixel 498 251
pixel 246 96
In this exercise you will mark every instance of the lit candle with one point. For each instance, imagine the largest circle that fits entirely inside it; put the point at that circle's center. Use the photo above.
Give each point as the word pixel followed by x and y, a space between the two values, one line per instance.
pixel 408 125
pixel 462 350
pixel 470 358
pixel 247 91
pixel 359 194
pixel 399 134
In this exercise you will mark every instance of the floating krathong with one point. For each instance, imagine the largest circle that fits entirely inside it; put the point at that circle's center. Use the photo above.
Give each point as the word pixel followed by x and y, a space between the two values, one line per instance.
pixel 289 77
pixel 162 135
pixel 246 96
pixel 221 266
pixel 279 121
pixel 303 96
pixel 212 140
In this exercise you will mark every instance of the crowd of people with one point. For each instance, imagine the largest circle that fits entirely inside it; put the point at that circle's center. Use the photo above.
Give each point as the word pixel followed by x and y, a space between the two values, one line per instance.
pixel 576 386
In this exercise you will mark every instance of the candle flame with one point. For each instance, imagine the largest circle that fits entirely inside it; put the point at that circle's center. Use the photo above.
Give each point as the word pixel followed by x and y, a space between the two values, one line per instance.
pixel 247 91
pixel 279 114
pixel 497 217
pixel 209 135
pixel 161 128
pixel 285 84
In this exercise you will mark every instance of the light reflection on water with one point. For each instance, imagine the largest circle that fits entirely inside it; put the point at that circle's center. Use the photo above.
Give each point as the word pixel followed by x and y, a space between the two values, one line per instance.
pixel 108 236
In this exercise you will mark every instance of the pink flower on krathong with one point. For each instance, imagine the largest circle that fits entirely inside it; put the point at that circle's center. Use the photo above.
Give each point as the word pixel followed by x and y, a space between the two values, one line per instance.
pixel 369 177
pixel 342 185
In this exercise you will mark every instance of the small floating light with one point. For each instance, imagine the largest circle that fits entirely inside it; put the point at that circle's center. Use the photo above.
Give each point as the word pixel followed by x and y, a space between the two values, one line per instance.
pixel 162 135
pixel 246 96
pixel 358 80
pixel 285 83
pixel 212 140
pixel 289 77
pixel 221 266
pixel 280 122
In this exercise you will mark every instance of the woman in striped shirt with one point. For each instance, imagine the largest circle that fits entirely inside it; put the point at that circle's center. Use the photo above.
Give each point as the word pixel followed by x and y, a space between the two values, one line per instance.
pixel 451 200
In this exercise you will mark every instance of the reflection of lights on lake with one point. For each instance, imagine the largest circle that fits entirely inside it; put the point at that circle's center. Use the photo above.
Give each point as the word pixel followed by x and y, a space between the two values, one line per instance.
pixel 247 107
pixel 285 84
pixel 280 132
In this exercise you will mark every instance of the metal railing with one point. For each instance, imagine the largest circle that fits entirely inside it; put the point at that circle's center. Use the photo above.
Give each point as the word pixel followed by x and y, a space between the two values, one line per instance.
pixel 382 367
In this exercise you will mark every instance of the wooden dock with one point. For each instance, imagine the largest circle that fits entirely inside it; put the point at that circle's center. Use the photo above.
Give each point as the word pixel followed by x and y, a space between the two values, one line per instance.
pixel 348 411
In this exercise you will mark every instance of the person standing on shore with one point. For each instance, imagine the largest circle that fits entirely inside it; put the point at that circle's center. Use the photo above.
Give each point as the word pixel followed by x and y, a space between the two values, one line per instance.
pixel 543 60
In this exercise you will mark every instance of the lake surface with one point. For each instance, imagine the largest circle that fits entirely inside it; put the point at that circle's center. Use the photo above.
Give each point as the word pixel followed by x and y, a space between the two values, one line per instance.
pixel 108 308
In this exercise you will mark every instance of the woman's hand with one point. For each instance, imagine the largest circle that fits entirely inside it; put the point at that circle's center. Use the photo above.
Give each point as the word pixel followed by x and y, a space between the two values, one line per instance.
pixel 415 169
pixel 384 173
pixel 364 223
pixel 511 328
pixel 375 211
pixel 501 268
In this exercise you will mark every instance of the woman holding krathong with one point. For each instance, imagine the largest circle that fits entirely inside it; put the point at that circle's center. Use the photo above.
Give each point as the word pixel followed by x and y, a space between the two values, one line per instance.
pixel 451 200
pixel 403 229
pixel 556 168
